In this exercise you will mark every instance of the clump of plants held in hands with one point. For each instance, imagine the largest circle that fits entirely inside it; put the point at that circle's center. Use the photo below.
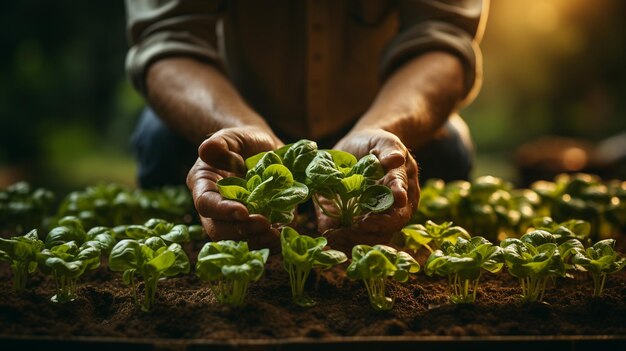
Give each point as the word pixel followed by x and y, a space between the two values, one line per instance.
pixel 229 267
pixel 463 262
pixel 374 264
pixel 21 253
pixel 301 253
pixel 277 181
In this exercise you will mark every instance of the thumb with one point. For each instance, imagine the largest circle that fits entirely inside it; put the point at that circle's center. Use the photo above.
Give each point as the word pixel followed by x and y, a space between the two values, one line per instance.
pixel 216 151
pixel 391 155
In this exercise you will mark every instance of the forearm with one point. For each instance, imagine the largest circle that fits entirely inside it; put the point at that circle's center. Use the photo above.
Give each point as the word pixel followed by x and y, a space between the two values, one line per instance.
pixel 195 99
pixel 417 98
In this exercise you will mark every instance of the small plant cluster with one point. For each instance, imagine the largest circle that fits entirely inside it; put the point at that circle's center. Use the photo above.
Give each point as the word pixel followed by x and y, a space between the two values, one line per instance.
pixel 151 251
pixel 277 181
pixel 536 258
pixel 491 207
pixel 113 204
pixel 22 207
pixel 585 197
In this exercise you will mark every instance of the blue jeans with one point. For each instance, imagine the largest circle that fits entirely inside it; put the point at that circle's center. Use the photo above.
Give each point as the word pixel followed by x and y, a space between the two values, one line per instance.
pixel 164 157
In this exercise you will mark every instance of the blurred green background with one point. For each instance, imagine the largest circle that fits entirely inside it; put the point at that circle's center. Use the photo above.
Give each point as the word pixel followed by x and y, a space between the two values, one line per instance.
pixel 551 67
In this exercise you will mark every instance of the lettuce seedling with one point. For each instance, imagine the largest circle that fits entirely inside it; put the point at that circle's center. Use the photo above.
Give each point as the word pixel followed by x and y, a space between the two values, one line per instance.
pixel 169 232
pixel 22 206
pixel 151 259
pixel 534 258
pixel 417 235
pixel 229 267
pixel 21 253
pixel 301 253
pixel 373 264
pixel 599 260
pixel 348 185
pixel 463 262
pixel 70 228
pixel 296 157
pixel 571 229
pixel 66 263
pixel 269 190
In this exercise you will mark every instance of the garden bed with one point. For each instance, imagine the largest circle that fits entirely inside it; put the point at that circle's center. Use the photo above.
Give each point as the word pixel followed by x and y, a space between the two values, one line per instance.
pixel 186 315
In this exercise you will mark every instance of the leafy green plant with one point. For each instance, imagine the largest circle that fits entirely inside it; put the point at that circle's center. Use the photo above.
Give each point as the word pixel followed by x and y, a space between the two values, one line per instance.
pixel 21 253
pixel 70 228
pixel 534 258
pixel 155 227
pixel 296 157
pixel 229 267
pixel 113 204
pixel 374 264
pixel 418 235
pixel 151 259
pixel 269 190
pixel 570 229
pixel 348 185
pixel 301 253
pixel 67 262
pixel 22 206
pixel 463 262
pixel 599 260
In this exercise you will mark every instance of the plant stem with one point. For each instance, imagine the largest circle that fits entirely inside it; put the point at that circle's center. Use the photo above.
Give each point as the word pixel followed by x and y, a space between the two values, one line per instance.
pixel 65 288
pixel 598 284
pixel 297 278
pixel 376 291
pixel 20 276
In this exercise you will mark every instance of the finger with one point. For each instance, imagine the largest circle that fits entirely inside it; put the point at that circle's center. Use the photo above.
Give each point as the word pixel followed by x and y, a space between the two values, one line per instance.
pixel 218 152
pixel 397 180
pixel 201 181
pixel 390 152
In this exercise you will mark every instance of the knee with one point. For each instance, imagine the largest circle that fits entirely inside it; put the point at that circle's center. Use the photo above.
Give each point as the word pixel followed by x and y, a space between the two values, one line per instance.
pixel 163 156
pixel 450 155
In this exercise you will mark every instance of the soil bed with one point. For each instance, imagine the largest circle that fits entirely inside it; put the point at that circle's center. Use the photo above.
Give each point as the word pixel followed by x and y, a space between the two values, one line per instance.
pixel 186 309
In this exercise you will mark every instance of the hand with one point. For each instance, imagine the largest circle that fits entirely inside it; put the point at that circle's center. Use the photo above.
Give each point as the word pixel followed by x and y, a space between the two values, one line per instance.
pixel 401 177
pixel 222 155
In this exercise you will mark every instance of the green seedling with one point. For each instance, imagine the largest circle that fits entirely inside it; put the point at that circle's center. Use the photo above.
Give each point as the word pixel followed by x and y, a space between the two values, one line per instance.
pixel 463 263
pixel 374 264
pixel 432 235
pixel 534 259
pixel 67 262
pixel 301 253
pixel 152 260
pixel 599 260
pixel 229 267
pixel 349 186
pixel 70 228
pixel 21 253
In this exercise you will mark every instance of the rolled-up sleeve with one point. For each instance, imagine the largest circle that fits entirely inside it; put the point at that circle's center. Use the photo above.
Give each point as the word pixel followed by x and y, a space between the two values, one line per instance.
pixel 455 26
pixel 162 28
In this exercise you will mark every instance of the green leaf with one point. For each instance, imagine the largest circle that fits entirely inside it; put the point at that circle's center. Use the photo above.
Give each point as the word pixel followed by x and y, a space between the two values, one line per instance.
pixel 369 167
pixel 352 184
pixel 233 188
pixel 342 159
pixel 377 198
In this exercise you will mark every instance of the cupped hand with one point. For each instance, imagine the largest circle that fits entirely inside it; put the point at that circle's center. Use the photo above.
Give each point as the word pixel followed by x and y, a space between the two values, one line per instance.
pixel 222 155
pixel 401 177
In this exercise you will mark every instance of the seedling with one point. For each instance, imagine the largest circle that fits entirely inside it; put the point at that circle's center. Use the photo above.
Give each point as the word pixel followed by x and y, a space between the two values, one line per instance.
pixel 417 235
pixel 463 262
pixel 229 267
pixel 571 229
pixel 534 258
pixel 152 259
pixel 599 260
pixel 70 228
pixel 269 190
pixel 374 264
pixel 301 253
pixel 21 253
pixel 349 186
pixel 22 206
pixel 169 232
pixel 66 263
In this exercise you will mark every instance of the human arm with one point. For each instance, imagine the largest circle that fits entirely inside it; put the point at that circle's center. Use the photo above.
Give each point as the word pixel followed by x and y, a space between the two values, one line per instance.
pixel 175 65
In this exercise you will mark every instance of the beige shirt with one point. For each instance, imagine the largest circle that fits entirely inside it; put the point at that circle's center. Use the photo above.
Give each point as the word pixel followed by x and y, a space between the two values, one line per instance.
pixel 310 68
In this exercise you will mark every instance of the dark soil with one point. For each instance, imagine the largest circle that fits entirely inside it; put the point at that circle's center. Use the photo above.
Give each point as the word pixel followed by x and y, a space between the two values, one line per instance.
pixel 186 308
